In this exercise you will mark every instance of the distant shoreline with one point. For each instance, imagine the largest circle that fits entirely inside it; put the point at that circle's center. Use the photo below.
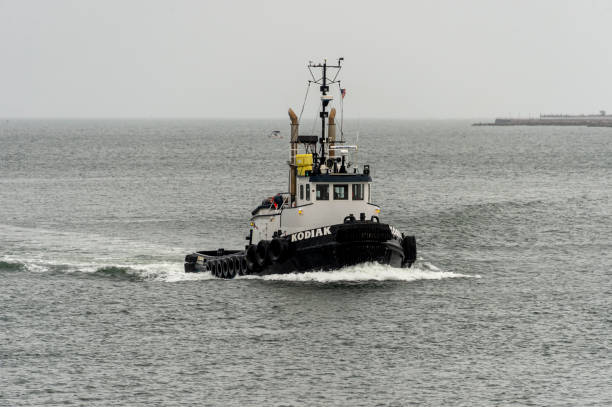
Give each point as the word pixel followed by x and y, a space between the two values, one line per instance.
pixel 601 120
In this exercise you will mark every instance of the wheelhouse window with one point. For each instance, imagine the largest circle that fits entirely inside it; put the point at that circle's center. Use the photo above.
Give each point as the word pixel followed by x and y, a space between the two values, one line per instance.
pixel 322 192
pixel 301 191
pixel 341 191
pixel 308 192
pixel 358 192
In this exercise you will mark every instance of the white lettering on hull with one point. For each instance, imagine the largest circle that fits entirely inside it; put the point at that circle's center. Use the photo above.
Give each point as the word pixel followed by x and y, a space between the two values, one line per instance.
pixel 308 234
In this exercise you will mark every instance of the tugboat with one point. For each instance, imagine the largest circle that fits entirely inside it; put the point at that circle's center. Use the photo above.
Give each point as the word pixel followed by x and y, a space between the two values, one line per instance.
pixel 326 221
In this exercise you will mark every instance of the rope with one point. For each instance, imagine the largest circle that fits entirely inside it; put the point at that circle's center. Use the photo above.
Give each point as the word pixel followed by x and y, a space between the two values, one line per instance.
pixel 314 121
pixel 304 103
pixel 341 112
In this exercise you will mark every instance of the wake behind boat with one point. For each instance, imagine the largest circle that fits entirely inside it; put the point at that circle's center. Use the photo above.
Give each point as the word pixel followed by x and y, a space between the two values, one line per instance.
pixel 326 221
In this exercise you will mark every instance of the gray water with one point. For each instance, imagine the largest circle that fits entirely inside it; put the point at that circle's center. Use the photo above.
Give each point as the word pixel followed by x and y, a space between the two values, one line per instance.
pixel 508 304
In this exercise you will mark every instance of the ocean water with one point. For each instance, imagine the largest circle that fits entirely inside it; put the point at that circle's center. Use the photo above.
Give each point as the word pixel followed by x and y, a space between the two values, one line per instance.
pixel 509 304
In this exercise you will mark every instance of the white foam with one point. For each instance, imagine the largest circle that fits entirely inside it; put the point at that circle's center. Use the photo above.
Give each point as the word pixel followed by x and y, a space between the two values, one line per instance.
pixel 174 272
pixel 368 272
pixel 68 252
pixel 171 272
pixel 170 268
pixel 35 268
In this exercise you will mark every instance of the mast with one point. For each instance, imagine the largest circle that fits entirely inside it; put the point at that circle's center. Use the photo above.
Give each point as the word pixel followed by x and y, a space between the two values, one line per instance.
pixel 318 159
pixel 324 89
pixel 324 83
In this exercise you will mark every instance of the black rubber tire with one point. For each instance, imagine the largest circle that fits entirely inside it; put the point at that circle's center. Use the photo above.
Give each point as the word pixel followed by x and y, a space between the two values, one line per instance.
pixel 224 268
pixel 231 271
pixel 213 268
pixel 235 265
pixel 410 250
pixel 277 251
pixel 251 260
pixel 261 255
pixel 243 265
pixel 238 265
pixel 219 269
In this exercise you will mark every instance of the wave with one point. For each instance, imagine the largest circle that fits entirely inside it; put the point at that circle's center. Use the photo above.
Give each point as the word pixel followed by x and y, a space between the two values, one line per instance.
pixel 117 273
pixel 174 272
pixel 367 272
pixel 161 271
pixel 101 257
pixel 89 255
pixel 11 266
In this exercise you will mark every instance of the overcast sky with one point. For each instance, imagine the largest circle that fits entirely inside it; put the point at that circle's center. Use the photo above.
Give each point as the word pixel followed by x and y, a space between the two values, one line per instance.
pixel 404 59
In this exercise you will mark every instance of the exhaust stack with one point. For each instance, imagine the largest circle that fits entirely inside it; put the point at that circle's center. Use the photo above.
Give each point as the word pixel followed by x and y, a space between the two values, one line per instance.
pixel 331 131
pixel 294 144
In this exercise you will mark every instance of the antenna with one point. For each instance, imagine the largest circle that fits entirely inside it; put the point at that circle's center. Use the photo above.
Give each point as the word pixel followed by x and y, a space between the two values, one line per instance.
pixel 324 83
pixel 357 148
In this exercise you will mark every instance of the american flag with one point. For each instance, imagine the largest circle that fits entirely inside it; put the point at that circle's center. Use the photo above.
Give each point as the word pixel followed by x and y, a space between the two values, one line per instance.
pixel 343 92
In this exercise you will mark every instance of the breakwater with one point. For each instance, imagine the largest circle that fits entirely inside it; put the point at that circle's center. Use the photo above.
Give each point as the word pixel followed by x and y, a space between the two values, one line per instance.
pixel 601 120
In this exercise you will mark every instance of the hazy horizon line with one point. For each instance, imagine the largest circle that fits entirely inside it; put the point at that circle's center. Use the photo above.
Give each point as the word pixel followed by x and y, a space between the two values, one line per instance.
pixel 234 118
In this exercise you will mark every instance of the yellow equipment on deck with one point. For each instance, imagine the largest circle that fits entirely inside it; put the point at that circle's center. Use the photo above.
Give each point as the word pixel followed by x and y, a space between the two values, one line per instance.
pixel 304 163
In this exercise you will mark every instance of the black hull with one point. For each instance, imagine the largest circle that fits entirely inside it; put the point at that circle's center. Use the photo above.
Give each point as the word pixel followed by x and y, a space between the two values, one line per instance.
pixel 320 249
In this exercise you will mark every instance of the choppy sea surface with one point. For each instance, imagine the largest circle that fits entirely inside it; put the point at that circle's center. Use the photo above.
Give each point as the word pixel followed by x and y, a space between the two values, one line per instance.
pixel 510 302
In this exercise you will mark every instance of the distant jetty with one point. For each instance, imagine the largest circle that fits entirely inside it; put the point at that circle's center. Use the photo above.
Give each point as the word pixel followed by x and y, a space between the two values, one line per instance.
pixel 591 120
